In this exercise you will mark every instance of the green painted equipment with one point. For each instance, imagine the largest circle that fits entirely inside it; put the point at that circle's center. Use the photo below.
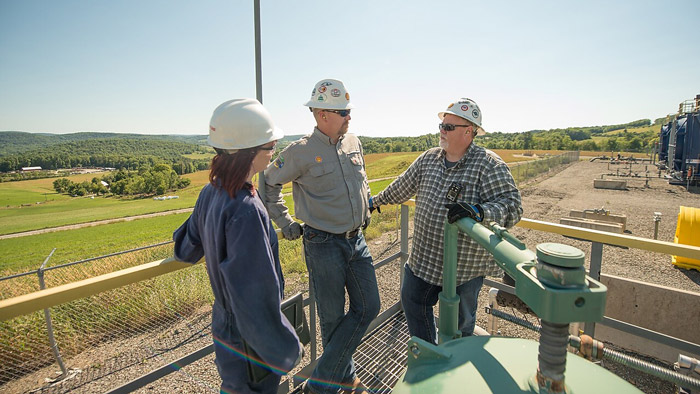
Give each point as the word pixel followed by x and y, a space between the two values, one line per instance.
pixel 554 284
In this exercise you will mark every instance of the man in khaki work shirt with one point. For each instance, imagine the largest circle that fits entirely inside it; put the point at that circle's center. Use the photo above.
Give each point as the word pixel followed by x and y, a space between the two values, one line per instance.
pixel 331 196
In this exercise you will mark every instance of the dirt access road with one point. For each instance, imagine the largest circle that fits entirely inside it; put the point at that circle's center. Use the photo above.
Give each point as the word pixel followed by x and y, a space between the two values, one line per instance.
pixel 96 223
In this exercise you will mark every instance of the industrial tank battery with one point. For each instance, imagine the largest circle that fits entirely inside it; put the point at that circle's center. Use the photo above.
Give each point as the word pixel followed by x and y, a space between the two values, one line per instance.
pixel 553 283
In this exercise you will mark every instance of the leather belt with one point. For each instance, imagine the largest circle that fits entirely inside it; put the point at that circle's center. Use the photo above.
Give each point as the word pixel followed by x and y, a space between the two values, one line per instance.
pixel 349 234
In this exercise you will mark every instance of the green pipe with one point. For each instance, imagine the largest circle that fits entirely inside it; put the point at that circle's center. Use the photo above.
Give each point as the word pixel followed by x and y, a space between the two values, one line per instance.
pixel 449 302
pixel 507 250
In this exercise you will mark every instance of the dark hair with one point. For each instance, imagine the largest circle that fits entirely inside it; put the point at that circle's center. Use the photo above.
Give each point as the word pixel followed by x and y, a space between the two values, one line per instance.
pixel 229 171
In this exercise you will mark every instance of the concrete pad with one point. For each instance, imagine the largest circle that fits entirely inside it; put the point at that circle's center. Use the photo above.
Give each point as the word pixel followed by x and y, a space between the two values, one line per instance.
pixel 659 308
pixel 609 184
pixel 593 225
pixel 612 218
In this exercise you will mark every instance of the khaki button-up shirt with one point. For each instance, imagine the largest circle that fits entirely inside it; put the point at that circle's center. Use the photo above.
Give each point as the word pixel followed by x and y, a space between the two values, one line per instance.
pixel 329 183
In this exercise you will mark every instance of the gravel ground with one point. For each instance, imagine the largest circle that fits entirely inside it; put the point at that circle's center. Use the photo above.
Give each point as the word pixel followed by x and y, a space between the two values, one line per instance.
pixel 547 198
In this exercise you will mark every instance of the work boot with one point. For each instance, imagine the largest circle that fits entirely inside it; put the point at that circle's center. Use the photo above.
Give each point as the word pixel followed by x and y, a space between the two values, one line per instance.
pixel 357 388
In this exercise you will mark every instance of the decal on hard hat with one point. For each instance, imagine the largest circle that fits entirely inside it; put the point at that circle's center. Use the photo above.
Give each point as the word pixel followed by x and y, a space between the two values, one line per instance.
pixel 318 159
pixel 329 94
pixel 211 128
pixel 475 113
pixel 465 107
pixel 450 106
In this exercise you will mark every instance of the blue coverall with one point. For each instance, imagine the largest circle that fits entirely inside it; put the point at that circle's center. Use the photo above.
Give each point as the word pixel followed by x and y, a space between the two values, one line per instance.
pixel 242 260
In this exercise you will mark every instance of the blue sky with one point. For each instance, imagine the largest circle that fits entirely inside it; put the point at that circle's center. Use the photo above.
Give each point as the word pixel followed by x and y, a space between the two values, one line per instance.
pixel 161 67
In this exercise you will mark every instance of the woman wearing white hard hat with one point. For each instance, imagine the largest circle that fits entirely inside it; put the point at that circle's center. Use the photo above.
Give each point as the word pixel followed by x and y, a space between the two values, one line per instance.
pixel 231 229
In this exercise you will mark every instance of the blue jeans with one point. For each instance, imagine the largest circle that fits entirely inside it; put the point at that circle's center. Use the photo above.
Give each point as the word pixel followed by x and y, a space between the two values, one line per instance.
pixel 418 298
pixel 335 265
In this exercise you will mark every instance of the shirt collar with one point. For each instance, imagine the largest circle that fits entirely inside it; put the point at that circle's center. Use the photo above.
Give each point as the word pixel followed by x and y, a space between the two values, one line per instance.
pixel 463 159
pixel 326 139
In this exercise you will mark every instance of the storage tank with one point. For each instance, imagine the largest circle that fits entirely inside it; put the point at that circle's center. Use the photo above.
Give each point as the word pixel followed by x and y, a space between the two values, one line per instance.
pixel 554 284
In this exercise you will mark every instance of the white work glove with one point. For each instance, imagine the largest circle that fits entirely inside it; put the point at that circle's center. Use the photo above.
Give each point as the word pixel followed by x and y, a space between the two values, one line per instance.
pixel 293 231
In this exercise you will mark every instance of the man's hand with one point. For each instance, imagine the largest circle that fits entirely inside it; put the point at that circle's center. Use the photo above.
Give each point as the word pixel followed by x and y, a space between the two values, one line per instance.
pixel 463 210
pixel 372 207
pixel 366 223
pixel 293 231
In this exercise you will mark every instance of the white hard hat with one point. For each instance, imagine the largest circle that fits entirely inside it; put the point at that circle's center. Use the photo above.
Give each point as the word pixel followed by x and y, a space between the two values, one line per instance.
pixel 329 94
pixel 466 109
pixel 240 124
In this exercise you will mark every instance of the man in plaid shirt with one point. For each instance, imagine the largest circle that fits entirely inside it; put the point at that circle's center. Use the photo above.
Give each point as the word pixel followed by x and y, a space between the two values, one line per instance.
pixel 459 179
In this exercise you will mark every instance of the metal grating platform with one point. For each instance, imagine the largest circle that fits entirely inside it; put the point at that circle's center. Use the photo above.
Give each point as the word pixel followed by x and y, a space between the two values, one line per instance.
pixel 380 360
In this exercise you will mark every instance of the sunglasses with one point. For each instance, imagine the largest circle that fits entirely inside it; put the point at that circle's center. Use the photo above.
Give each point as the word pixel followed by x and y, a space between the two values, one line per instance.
pixel 342 112
pixel 268 147
pixel 450 127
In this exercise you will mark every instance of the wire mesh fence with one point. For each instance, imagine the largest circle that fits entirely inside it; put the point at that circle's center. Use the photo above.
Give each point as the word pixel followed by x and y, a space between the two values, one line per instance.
pixel 88 323
pixel 530 169
pixel 113 330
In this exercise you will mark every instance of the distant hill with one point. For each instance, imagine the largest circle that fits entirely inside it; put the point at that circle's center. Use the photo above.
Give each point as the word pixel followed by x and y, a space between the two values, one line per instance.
pixel 131 151
pixel 187 153
pixel 12 142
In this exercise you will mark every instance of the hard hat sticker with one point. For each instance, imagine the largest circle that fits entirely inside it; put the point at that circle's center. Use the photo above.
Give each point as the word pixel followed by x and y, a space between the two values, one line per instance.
pixel 318 159
pixel 321 97
pixel 326 84
pixel 465 107
pixel 322 89
pixel 347 96
pixel 335 92
pixel 475 113
pixel 450 106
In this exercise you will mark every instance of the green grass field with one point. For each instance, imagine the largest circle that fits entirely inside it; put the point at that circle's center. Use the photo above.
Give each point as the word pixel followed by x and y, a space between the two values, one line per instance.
pixel 30 209
pixel 26 253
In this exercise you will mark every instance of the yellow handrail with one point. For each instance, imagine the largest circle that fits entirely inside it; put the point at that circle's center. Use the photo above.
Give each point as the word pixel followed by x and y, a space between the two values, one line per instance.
pixel 42 299
pixel 46 298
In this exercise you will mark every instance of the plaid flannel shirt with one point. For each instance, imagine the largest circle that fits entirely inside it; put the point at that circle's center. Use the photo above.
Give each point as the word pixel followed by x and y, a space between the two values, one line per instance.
pixel 485 180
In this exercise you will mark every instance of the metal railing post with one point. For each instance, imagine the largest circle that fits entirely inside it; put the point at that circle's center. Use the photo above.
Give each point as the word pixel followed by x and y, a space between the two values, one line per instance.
pixel 47 317
pixel 657 219
pixel 594 272
pixel 404 240
pixel 312 309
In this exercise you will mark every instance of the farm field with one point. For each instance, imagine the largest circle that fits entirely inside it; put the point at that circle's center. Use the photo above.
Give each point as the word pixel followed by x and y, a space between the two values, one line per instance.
pixel 18 254
pixel 33 204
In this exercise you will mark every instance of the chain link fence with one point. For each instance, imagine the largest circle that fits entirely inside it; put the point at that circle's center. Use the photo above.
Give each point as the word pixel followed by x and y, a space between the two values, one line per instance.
pixel 117 329
pixel 526 170
pixel 100 324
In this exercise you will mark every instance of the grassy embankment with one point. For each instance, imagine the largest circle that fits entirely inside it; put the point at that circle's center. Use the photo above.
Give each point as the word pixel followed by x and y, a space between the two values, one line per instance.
pixel 144 304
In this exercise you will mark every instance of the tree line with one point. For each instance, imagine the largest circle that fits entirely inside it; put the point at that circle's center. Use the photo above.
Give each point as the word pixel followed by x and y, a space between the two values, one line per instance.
pixel 572 138
pixel 133 151
pixel 119 153
pixel 157 180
